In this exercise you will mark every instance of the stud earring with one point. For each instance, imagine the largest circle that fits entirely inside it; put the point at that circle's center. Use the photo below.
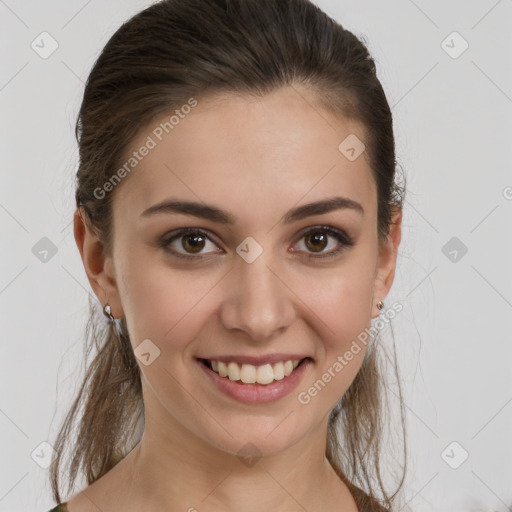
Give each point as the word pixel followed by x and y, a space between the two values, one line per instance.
pixel 380 305
pixel 107 312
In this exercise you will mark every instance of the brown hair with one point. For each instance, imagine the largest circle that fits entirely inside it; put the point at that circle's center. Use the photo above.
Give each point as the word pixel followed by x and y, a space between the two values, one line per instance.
pixel 167 53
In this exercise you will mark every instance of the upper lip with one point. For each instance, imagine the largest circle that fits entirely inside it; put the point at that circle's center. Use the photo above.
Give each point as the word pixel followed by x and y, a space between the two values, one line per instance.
pixel 256 360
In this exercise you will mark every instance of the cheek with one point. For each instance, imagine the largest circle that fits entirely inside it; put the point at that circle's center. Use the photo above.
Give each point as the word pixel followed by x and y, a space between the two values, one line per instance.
pixel 342 314
pixel 161 303
pixel 170 306
pixel 343 308
pixel 341 300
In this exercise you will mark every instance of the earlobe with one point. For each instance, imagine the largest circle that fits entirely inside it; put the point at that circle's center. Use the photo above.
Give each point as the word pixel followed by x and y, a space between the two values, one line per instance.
pixel 97 265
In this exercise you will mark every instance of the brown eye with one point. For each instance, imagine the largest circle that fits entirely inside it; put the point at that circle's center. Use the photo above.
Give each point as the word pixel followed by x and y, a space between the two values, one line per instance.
pixel 189 243
pixel 320 238
pixel 316 241
pixel 193 243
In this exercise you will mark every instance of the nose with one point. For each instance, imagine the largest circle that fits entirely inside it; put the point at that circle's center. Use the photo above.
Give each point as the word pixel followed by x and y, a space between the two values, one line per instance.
pixel 258 302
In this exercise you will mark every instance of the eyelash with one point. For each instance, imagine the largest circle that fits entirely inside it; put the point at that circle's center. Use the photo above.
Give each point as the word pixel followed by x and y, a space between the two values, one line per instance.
pixel 343 239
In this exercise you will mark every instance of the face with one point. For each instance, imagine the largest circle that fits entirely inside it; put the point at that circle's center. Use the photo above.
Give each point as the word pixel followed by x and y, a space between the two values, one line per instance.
pixel 256 278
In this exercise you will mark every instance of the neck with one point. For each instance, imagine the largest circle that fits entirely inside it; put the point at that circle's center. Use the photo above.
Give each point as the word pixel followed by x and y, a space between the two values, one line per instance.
pixel 169 472
pixel 173 468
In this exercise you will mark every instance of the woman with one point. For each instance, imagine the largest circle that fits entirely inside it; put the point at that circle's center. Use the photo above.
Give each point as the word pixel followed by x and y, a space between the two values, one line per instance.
pixel 239 220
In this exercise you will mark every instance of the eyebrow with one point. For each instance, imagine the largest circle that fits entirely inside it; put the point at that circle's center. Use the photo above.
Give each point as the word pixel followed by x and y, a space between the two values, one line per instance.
pixel 225 217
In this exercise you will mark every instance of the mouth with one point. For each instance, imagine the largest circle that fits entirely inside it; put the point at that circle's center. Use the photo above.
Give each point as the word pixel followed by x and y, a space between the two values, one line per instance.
pixel 250 374
pixel 255 383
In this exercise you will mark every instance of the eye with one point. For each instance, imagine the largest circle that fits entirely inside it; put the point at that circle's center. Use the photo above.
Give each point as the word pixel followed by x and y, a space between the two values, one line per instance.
pixel 189 243
pixel 317 239
pixel 190 240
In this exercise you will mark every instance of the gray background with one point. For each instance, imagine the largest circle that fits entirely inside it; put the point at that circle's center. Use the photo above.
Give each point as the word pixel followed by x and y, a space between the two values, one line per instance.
pixel 453 117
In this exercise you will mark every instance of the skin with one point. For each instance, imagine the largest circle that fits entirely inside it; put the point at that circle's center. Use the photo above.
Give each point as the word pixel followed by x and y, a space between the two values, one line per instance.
pixel 276 152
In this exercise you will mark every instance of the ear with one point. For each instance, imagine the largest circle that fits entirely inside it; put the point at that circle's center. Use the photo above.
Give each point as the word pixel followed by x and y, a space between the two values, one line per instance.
pixel 386 265
pixel 98 266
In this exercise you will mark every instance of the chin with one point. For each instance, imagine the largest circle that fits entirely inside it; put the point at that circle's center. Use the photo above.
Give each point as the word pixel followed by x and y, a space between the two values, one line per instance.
pixel 255 438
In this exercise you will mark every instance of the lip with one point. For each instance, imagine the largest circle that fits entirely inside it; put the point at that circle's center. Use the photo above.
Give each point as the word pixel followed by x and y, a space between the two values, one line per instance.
pixel 257 393
pixel 257 360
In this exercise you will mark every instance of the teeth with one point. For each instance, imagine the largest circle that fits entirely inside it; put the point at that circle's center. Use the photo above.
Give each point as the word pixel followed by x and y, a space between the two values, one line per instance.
pixel 247 373
pixel 278 371
pixel 233 371
pixel 265 374
pixel 250 374
pixel 223 369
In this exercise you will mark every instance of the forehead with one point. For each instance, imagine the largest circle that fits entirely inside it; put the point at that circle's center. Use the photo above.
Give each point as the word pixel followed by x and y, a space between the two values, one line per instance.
pixel 249 152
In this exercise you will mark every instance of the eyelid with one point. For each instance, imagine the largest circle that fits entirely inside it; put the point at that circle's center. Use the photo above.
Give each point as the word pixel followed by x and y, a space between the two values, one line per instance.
pixel 170 237
pixel 345 241
pixel 327 229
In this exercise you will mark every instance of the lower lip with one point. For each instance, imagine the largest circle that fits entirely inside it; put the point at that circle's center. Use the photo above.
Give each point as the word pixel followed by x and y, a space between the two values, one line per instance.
pixel 257 393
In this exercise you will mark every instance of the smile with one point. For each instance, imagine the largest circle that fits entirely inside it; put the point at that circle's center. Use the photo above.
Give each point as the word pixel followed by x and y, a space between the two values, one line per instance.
pixel 250 374
pixel 253 384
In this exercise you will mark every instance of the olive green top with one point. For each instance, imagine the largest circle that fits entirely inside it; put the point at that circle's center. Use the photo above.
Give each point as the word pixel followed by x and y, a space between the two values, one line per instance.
pixel 61 507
